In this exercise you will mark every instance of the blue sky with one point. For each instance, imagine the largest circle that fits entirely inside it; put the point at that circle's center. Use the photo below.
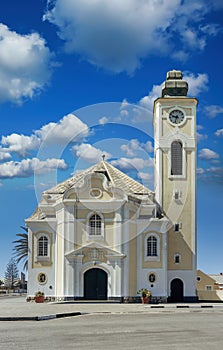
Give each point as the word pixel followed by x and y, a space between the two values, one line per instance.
pixel 78 79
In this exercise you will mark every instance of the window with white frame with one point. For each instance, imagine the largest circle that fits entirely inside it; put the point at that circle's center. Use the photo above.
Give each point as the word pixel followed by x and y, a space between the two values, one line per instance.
pixel 95 225
pixel 43 246
pixel 152 247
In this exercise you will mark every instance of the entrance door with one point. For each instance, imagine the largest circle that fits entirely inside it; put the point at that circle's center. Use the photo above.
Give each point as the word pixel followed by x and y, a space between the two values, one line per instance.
pixel 95 284
pixel 177 291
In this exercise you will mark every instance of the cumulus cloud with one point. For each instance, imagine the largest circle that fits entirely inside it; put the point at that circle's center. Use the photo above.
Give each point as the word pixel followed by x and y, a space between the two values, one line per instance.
pixel 207 154
pixel 148 101
pixel 27 167
pixel 117 35
pixel 126 164
pixel 219 133
pixel 4 155
pixel 134 145
pixel 25 65
pixel 68 129
pixel 197 83
pixel 213 110
pixel 20 144
pixel 89 153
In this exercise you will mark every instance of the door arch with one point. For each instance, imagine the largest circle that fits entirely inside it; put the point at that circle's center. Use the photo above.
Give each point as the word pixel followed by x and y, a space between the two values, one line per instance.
pixel 176 291
pixel 95 284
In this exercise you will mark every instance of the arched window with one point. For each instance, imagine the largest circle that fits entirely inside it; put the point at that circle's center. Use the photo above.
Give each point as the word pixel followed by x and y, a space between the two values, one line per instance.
pixel 152 246
pixel 43 246
pixel 95 225
pixel 176 158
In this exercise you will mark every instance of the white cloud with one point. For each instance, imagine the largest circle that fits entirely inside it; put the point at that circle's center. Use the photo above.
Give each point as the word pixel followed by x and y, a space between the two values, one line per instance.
pixel 197 84
pixel 68 129
pixel 149 147
pixel 219 133
pixel 25 65
pixel 145 176
pixel 212 174
pixel 103 120
pixel 212 29
pixel 89 153
pixel 117 35
pixel 208 154
pixel 4 155
pixel 20 144
pixel 134 145
pixel 27 167
pixel 131 148
pixel 126 164
pixel 148 101
pixel 124 104
pixel 191 39
pixel 213 110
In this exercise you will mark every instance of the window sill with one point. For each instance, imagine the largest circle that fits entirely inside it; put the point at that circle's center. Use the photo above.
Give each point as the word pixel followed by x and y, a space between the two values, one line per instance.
pixel 95 237
pixel 42 258
pixel 152 258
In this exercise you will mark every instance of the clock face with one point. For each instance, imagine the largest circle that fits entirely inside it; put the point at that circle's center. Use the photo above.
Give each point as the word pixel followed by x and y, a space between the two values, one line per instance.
pixel 176 116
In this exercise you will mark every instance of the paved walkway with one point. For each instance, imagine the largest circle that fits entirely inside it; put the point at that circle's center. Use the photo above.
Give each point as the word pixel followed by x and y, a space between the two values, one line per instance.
pixel 14 308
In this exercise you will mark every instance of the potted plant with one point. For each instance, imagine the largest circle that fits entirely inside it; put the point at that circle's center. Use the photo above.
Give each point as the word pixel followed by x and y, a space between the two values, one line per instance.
pixel 39 297
pixel 145 295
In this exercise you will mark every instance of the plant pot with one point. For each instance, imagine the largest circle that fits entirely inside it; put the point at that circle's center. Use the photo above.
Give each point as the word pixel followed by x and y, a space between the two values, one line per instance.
pixel 145 300
pixel 39 299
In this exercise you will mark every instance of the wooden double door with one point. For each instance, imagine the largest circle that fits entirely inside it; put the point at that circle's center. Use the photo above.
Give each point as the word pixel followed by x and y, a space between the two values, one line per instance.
pixel 95 284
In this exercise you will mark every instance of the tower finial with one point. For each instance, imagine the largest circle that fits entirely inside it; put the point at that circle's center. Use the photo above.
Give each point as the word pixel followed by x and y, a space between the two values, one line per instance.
pixel 103 157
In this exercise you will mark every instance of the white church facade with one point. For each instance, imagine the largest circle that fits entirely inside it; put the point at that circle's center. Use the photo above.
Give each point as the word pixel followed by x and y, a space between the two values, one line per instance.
pixel 102 235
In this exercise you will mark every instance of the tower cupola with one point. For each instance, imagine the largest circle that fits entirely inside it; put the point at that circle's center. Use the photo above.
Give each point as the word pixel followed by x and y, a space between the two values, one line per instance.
pixel 174 85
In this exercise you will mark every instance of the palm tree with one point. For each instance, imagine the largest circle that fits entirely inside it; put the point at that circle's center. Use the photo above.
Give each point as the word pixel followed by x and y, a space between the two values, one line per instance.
pixel 21 247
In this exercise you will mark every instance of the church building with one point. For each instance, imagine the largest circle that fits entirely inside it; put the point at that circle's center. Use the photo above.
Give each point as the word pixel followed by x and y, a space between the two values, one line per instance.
pixel 101 235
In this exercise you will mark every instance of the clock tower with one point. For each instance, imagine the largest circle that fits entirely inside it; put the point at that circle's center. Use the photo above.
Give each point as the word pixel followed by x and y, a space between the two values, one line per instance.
pixel 175 182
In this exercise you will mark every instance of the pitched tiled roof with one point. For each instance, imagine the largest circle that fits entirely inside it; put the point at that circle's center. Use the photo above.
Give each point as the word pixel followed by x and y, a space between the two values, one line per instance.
pixel 115 176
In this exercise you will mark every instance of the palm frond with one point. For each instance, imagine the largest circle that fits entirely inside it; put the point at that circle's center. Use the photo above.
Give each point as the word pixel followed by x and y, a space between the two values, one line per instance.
pixel 21 247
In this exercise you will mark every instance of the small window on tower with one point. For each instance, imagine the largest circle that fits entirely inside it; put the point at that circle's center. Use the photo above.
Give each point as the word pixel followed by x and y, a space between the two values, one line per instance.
pixel 177 227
